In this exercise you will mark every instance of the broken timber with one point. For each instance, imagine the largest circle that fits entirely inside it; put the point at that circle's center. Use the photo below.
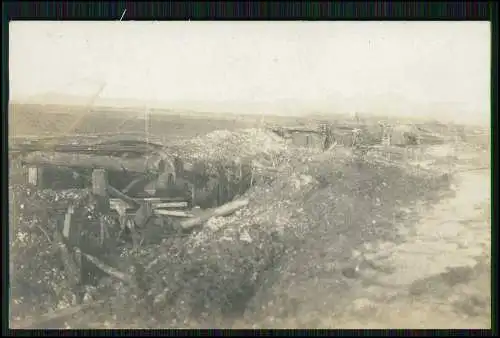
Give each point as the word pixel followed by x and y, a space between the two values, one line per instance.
pixel 223 210
pixel 182 204
pixel 156 208
pixel 172 213
pixel 111 271
pixel 156 203
pixel 118 194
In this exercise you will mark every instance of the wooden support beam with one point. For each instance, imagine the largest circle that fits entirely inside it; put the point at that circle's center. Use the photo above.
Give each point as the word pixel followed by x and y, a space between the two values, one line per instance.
pixel 67 221
pixel 223 210
pixel 161 199
pixel 138 165
pixel 172 213
pixel 99 182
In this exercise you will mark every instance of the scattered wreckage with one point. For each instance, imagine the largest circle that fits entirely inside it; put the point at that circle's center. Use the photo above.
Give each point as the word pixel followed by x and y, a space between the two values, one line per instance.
pixel 136 179
pixel 131 183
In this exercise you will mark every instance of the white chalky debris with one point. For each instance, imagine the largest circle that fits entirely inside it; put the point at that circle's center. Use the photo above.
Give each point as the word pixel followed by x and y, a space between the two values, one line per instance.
pixel 245 237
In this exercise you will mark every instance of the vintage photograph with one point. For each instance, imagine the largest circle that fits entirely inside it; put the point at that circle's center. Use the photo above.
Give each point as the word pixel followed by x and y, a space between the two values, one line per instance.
pixel 251 174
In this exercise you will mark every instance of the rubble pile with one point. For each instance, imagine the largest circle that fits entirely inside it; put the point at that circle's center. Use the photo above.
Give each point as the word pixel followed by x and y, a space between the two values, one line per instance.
pixel 216 271
pixel 245 145
pixel 296 204
pixel 38 282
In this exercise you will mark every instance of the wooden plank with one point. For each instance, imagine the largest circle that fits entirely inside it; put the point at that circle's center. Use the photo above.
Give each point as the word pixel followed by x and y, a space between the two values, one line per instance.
pixel 117 202
pixel 161 199
pixel 171 205
pixel 172 213
pixel 223 210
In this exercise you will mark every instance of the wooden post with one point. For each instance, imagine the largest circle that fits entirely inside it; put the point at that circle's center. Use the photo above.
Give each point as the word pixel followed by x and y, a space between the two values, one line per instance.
pixel 35 176
pixel 99 188
pixel 99 182
pixel 67 221
pixel 193 196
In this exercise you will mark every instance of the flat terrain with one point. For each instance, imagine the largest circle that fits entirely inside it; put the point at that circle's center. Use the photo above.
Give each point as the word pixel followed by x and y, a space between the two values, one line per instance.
pixel 40 120
pixel 421 257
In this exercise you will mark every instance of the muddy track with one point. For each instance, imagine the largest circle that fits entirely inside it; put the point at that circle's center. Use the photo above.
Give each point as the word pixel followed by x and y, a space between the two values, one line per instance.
pixel 437 277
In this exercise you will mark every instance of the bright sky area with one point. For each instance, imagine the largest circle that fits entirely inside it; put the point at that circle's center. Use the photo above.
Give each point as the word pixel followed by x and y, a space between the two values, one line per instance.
pixel 424 68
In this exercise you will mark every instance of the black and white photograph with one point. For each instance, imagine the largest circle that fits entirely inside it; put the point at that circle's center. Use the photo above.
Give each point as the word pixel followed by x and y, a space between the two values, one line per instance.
pixel 249 174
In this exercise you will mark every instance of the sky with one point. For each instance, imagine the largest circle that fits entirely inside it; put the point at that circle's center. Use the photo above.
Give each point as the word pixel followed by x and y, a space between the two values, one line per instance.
pixel 380 67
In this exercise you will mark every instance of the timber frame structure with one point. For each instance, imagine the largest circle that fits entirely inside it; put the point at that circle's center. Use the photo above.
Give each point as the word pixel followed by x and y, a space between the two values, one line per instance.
pixel 118 173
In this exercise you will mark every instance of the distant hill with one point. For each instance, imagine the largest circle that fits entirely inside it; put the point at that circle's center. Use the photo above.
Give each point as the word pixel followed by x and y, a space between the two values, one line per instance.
pixel 389 105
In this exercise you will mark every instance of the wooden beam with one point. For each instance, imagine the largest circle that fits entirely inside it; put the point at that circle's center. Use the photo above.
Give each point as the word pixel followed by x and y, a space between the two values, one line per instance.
pixel 172 205
pixel 223 210
pixel 172 213
pixel 137 165
pixel 118 194
pixel 138 181
pixel 67 221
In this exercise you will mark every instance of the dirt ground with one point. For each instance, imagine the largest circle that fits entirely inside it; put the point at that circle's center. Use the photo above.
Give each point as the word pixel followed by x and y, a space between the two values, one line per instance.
pixel 436 275
pixel 439 276
pixel 433 272
pixel 26 120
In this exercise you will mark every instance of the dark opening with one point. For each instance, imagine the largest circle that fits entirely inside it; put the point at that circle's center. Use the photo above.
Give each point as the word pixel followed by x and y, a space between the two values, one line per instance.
pixel 212 188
